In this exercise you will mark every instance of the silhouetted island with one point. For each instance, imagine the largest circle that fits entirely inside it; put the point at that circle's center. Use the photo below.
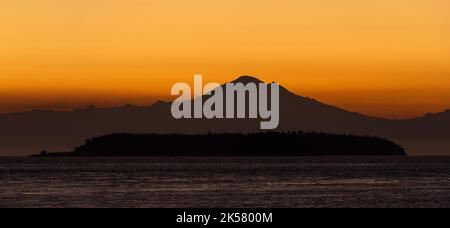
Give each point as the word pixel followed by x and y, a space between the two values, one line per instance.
pixel 257 144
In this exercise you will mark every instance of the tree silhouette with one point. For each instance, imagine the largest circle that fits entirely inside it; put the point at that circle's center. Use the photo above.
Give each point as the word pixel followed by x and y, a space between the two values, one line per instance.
pixel 256 144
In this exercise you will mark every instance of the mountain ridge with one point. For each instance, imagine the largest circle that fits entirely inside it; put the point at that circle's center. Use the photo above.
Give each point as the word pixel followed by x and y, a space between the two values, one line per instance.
pixel 27 132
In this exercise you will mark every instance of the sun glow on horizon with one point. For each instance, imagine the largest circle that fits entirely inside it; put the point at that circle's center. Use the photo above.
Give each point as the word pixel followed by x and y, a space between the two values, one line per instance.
pixel 388 58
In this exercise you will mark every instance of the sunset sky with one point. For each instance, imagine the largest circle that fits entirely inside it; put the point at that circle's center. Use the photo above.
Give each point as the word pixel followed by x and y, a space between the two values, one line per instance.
pixel 388 58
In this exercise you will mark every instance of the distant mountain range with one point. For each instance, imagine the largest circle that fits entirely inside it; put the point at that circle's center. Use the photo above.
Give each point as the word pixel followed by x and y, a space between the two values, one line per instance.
pixel 29 132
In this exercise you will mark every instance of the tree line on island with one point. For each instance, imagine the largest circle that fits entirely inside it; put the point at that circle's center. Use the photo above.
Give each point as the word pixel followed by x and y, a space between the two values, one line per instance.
pixel 255 144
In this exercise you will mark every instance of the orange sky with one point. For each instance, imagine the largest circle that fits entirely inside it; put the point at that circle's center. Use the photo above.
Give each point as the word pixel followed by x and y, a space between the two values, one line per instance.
pixel 388 58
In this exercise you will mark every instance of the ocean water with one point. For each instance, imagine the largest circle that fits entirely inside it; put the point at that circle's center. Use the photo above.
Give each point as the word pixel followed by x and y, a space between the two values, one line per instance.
pixel 225 182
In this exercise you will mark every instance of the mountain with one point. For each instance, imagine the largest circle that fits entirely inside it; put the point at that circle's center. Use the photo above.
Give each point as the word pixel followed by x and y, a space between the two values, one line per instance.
pixel 29 132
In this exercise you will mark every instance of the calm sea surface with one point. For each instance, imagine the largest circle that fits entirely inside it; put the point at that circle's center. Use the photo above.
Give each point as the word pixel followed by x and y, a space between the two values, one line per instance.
pixel 225 182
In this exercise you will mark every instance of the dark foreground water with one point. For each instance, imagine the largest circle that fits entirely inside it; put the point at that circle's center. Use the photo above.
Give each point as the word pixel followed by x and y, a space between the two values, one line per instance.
pixel 225 182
